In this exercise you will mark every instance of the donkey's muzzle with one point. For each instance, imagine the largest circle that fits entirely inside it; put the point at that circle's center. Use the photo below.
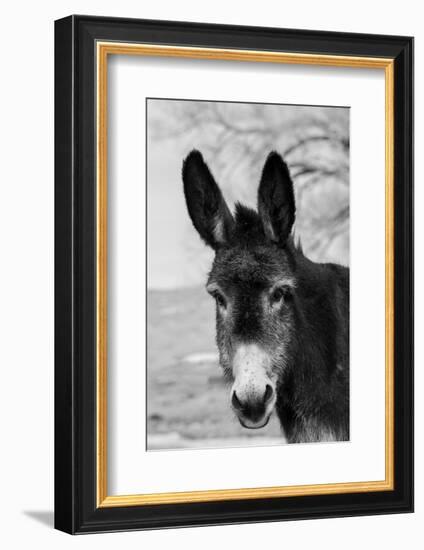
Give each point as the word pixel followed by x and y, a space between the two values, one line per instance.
pixel 253 410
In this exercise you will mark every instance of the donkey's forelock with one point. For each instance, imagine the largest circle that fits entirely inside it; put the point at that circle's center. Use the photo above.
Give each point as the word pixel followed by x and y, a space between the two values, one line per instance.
pixel 248 227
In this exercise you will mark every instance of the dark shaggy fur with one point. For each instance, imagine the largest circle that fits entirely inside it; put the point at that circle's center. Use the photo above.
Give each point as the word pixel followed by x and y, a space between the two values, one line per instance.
pixel 307 336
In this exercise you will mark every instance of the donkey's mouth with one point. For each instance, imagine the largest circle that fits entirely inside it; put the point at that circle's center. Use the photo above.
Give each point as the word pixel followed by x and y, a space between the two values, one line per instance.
pixel 250 425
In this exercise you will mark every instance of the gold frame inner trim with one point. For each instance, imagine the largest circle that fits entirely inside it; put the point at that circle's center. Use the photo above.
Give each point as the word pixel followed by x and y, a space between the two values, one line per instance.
pixel 104 49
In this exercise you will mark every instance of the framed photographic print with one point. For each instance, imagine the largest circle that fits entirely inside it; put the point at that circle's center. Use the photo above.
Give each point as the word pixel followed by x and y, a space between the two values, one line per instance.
pixel 234 270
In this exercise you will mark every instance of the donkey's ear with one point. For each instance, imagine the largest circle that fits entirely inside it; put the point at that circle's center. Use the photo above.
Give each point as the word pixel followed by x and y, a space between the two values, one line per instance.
pixel 206 205
pixel 276 204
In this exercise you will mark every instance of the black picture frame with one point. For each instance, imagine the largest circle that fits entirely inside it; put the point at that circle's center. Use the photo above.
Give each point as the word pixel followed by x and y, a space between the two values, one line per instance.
pixel 76 508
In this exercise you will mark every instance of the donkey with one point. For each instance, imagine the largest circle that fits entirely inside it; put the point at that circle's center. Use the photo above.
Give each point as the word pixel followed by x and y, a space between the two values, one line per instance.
pixel 282 320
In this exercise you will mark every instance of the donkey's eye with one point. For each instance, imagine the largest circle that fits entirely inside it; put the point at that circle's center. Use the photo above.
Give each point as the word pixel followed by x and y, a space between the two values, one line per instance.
pixel 278 294
pixel 220 300
pixel 217 295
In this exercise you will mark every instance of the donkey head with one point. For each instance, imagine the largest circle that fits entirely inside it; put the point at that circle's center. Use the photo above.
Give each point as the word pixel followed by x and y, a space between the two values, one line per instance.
pixel 252 281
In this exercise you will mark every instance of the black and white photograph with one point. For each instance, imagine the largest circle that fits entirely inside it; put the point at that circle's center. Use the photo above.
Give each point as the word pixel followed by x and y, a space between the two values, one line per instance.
pixel 247 274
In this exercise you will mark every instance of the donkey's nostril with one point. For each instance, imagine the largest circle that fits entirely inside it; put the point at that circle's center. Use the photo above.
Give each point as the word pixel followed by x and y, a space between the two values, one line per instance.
pixel 236 402
pixel 268 393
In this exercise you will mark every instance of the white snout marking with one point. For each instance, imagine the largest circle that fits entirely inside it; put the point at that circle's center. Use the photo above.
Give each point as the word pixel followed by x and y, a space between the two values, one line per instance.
pixel 252 374
pixel 250 363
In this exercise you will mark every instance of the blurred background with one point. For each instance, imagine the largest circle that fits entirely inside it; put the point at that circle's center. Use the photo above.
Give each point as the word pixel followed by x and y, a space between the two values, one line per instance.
pixel 187 400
